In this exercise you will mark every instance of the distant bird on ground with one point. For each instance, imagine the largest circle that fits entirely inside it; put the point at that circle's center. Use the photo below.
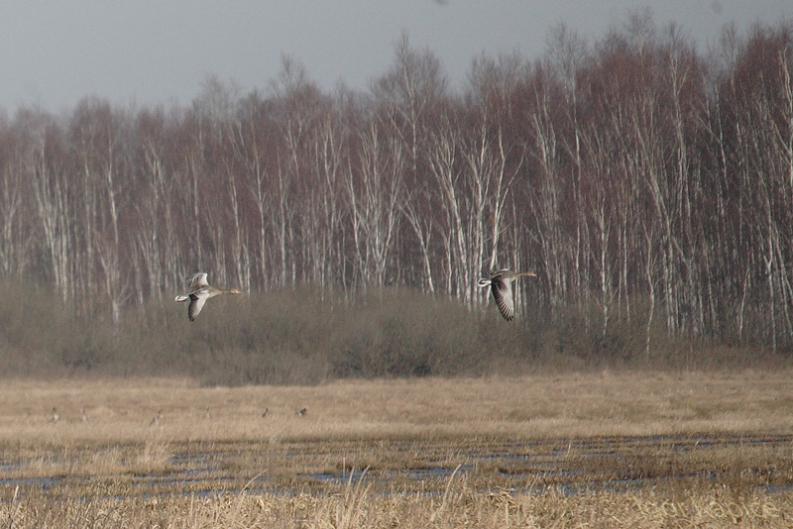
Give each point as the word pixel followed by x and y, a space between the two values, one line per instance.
pixel 54 417
pixel 265 412
pixel 199 292
pixel 500 284
pixel 156 419
pixel 301 412
pixel 83 415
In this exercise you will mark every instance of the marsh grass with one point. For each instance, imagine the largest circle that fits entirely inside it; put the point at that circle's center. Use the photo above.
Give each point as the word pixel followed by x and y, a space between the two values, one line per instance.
pixel 607 449
pixel 460 506
pixel 531 406
pixel 540 425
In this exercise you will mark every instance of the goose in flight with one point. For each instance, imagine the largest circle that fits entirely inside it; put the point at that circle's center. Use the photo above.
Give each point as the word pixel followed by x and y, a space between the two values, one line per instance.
pixel 199 292
pixel 500 284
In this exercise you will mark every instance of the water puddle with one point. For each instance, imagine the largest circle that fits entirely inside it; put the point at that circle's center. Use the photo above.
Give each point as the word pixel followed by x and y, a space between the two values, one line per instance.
pixel 44 483
pixel 570 467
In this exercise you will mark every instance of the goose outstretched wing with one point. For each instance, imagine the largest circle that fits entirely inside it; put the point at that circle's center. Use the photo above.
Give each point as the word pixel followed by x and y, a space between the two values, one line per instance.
pixel 502 293
pixel 197 300
pixel 198 280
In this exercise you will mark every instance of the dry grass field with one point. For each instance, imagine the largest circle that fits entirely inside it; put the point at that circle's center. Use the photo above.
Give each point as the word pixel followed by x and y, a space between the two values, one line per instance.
pixel 608 449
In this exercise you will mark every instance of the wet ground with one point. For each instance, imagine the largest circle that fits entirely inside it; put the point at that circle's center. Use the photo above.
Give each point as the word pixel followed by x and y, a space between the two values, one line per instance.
pixel 570 466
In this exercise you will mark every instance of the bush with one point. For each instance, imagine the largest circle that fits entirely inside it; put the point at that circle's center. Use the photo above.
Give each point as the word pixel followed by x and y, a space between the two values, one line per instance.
pixel 301 337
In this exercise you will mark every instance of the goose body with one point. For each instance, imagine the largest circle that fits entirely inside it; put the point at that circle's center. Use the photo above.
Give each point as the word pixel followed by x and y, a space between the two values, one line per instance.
pixel 500 284
pixel 199 292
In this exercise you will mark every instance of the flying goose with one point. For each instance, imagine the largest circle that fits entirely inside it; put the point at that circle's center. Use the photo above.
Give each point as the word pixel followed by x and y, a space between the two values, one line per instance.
pixel 500 284
pixel 200 292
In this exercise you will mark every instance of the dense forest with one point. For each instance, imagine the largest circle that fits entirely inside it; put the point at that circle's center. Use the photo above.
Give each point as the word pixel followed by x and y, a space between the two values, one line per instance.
pixel 645 180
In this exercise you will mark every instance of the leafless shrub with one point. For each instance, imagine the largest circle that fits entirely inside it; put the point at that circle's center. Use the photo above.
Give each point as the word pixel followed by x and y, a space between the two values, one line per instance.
pixel 308 335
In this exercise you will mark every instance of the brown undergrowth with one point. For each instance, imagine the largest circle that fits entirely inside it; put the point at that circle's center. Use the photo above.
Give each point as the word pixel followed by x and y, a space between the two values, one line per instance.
pixel 310 336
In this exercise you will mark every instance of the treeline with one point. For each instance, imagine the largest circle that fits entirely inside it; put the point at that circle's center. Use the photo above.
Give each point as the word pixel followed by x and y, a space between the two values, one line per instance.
pixel 647 182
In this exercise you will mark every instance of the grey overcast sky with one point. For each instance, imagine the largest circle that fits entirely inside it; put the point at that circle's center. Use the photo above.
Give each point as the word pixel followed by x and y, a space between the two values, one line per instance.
pixel 52 53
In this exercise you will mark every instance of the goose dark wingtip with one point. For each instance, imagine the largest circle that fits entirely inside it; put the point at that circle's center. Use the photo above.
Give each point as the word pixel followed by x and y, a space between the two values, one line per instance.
pixel 501 287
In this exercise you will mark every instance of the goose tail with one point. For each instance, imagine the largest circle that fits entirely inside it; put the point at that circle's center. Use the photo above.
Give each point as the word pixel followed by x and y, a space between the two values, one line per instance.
pixel 181 298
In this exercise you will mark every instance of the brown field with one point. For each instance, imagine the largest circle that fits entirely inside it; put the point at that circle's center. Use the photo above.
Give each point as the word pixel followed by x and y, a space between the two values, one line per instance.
pixel 611 449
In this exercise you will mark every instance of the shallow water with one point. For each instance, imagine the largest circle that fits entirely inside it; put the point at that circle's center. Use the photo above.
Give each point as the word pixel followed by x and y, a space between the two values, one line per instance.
pixel 574 466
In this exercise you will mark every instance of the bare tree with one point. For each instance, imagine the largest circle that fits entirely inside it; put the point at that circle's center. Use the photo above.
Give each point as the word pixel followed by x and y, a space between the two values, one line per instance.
pixel 375 193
